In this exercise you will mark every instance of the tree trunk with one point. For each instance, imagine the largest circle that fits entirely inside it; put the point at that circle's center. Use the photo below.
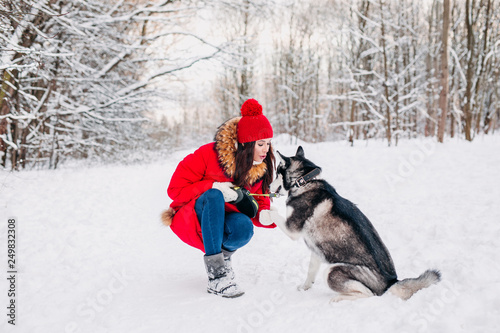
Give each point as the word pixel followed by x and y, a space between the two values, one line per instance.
pixel 443 96
pixel 244 88
pixel 482 64
pixel 431 69
pixel 470 72
pixel 353 118
pixel 23 36
pixel 386 88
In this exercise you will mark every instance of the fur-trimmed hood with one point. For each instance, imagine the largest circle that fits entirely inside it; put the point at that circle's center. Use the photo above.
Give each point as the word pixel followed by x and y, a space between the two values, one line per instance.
pixel 226 144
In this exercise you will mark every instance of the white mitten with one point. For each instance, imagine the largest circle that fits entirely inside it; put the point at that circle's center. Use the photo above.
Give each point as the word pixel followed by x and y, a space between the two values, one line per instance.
pixel 268 217
pixel 227 190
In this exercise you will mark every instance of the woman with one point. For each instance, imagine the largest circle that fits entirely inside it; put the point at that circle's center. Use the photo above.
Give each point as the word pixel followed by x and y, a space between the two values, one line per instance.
pixel 202 189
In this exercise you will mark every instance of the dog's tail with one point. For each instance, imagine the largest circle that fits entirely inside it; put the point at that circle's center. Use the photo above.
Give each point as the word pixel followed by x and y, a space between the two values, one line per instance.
pixel 405 289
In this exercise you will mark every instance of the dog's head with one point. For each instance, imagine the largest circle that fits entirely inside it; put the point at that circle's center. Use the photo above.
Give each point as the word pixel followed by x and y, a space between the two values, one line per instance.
pixel 290 169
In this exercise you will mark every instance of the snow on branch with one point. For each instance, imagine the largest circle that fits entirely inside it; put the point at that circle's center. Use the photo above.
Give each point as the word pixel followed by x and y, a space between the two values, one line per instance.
pixel 159 73
pixel 356 123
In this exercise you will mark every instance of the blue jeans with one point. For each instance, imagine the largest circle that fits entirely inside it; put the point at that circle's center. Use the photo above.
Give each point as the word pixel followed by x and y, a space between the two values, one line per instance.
pixel 220 229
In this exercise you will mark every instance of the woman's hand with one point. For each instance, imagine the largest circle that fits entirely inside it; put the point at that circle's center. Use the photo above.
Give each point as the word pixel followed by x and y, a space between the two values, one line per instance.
pixel 268 217
pixel 227 190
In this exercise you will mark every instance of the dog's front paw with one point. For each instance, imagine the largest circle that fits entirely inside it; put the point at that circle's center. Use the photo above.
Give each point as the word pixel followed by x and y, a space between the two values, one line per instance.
pixel 265 217
pixel 336 299
pixel 304 286
pixel 270 216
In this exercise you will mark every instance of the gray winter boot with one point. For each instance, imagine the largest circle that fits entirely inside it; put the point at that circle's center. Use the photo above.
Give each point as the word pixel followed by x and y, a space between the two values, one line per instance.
pixel 219 280
pixel 228 263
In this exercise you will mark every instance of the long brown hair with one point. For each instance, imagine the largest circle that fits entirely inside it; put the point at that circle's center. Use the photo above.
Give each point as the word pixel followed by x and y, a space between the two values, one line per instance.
pixel 244 162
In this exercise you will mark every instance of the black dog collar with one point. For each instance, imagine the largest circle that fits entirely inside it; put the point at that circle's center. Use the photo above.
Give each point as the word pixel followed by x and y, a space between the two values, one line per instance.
pixel 301 181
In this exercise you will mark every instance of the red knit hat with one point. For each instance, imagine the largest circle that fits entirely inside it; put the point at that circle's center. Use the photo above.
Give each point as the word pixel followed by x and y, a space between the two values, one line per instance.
pixel 253 125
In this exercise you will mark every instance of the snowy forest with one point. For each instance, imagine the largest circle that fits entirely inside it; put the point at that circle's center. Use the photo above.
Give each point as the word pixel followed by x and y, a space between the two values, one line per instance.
pixel 114 79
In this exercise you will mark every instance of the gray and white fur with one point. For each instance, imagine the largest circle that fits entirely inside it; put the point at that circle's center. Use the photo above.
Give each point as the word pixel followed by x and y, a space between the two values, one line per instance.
pixel 339 234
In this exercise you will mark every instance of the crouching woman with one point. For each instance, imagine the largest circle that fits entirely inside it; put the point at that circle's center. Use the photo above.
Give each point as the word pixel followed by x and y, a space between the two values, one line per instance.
pixel 202 189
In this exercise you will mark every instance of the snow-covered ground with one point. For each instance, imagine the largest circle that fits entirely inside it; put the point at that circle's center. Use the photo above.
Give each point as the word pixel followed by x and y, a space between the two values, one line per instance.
pixel 92 255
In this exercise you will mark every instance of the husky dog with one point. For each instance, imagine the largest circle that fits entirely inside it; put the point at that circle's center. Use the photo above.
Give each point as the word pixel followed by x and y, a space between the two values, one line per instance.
pixel 338 233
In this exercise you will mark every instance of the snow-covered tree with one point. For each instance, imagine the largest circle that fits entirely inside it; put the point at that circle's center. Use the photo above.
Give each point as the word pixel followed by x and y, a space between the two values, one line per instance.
pixel 78 76
pixel 87 78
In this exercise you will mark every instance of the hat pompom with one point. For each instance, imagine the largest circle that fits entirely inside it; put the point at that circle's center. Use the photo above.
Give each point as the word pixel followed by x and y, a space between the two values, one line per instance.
pixel 251 108
pixel 253 126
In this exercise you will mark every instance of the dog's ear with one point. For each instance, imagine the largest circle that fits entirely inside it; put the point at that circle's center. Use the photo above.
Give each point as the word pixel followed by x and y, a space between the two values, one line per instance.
pixel 285 160
pixel 300 152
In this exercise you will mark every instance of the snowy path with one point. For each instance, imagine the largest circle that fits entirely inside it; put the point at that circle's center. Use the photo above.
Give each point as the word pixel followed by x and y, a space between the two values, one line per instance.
pixel 93 256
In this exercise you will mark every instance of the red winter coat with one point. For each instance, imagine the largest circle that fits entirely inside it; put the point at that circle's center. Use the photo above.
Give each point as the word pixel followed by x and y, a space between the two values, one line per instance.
pixel 196 173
